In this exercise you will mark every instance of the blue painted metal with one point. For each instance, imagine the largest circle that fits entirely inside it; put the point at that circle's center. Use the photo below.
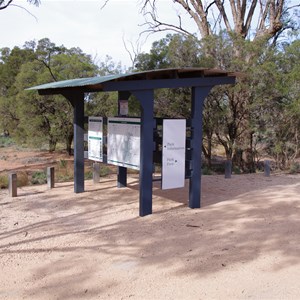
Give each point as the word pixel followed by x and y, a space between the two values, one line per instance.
pixel 94 84
pixel 198 96
pixel 77 100
pixel 142 85
pixel 146 99
pixel 165 83
pixel 122 177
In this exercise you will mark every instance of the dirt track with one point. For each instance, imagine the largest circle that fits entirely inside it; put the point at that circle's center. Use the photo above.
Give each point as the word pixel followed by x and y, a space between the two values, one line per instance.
pixel 242 244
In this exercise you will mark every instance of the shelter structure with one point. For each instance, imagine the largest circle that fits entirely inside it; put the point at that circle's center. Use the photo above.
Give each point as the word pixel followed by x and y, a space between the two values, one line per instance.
pixel 142 86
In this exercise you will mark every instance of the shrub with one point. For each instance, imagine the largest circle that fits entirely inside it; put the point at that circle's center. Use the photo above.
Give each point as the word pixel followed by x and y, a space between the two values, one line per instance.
pixel 39 177
pixel 88 175
pixel 206 170
pixel 22 179
pixel 3 182
pixel 63 164
pixel 295 168
pixel 5 142
pixel 104 170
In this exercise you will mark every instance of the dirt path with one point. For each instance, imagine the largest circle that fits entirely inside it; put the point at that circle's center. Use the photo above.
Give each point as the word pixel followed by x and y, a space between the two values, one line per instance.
pixel 14 159
pixel 242 244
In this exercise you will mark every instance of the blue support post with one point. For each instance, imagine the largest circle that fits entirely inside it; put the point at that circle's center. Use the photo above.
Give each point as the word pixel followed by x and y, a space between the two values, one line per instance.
pixel 146 99
pixel 198 96
pixel 78 104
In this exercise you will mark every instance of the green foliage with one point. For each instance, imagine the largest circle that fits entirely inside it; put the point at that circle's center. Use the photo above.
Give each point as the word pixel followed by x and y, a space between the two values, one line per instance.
pixel 3 181
pixel 22 179
pixel 36 120
pixel 206 170
pixel 6 142
pixel 104 170
pixel 295 168
pixel 63 163
pixel 260 113
pixel 38 177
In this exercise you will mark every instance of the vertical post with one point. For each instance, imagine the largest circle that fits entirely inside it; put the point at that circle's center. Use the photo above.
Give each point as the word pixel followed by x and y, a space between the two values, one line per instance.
pixel 267 168
pixel 122 177
pixel 228 168
pixel 146 99
pixel 96 172
pixel 198 96
pixel 50 177
pixel 77 101
pixel 123 96
pixel 79 144
pixel 12 184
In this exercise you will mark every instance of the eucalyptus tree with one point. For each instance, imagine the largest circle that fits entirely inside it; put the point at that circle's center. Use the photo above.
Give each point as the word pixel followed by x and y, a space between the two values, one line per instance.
pixel 32 118
pixel 6 3
pixel 235 35
pixel 11 61
pixel 279 127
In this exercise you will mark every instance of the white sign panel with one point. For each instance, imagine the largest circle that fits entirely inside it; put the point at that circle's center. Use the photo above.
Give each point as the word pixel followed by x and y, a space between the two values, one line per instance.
pixel 123 142
pixel 173 156
pixel 95 139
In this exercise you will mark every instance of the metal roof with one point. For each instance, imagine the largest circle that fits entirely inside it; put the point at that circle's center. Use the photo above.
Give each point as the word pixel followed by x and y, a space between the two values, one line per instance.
pixel 93 84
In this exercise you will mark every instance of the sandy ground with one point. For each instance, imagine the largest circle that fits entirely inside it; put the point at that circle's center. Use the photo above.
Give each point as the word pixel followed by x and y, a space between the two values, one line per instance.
pixel 244 243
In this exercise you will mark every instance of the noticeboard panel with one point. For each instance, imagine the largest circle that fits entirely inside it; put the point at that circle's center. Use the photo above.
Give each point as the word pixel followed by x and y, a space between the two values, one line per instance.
pixel 95 139
pixel 123 142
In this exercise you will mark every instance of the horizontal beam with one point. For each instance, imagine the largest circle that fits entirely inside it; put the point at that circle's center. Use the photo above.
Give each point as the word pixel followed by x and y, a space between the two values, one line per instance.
pixel 63 91
pixel 135 85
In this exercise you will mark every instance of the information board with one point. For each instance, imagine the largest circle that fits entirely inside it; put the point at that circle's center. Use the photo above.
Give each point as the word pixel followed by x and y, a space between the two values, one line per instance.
pixel 123 142
pixel 173 153
pixel 95 139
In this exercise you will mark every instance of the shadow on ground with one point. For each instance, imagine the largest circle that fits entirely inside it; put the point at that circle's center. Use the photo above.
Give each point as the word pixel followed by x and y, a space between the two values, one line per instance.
pixel 73 235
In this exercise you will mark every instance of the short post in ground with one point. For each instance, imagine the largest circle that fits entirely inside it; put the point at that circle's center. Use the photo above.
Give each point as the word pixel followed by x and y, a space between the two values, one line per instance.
pixel 267 168
pixel 228 168
pixel 12 184
pixel 50 177
pixel 96 172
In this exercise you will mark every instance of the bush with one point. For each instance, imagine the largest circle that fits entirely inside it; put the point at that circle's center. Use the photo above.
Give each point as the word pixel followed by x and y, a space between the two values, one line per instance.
pixel 206 171
pixel 3 182
pixel 63 164
pixel 104 170
pixel 22 179
pixel 5 142
pixel 88 175
pixel 295 168
pixel 39 177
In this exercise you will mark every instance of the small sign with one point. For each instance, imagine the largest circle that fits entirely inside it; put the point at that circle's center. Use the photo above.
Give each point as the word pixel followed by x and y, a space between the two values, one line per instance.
pixel 173 154
pixel 95 139
pixel 123 107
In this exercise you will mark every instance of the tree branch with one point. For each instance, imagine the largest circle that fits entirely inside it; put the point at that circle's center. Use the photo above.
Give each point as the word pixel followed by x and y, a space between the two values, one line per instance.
pixel 5 5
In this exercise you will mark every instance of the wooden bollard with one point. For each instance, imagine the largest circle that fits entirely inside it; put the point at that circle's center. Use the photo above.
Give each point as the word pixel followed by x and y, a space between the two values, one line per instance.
pixel 50 177
pixel 96 172
pixel 12 184
pixel 228 167
pixel 267 168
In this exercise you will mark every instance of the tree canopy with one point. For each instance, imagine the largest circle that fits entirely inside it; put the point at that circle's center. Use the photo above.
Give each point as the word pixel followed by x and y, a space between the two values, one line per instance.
pixel 51 117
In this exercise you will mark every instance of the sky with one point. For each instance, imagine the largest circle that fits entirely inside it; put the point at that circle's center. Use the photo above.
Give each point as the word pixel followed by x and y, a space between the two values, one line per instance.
pixel 82 23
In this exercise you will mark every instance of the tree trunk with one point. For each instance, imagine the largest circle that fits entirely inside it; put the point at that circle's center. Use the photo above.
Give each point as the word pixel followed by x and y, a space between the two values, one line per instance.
pixel 52 144
pixel 69 141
